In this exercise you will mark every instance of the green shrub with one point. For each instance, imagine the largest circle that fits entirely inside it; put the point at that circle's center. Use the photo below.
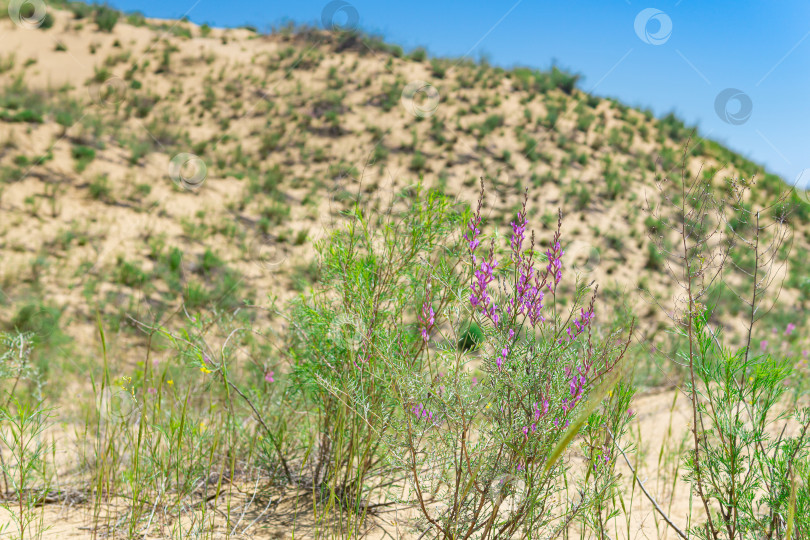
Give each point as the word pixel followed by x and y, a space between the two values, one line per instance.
pixel 492 122
pixel 136 19
pixel 129 273
pixel 83 156
pixel 406 379
pixel 471 338
pixel 24 116
pixel 655 259
pixel 100 188
pixel 584 121
pixel 105 18
pixel 81 10
pixel 418 55
pixel 40 320
pixel 418 162
pixel 438 69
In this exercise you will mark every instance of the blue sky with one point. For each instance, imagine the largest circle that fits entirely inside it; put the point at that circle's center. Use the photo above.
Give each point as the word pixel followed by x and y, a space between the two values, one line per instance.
pixel 679 56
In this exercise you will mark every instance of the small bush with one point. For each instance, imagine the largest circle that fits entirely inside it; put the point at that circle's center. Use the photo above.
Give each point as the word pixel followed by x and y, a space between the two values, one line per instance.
pixel 418 162
pixel 106 18
pixel 136 19
pixel 655 259
pixel 438 69
pixel 100 188
pixel 81 10
pixel 129 274
pixel 83 156
pixel 418 55
pixel 471 338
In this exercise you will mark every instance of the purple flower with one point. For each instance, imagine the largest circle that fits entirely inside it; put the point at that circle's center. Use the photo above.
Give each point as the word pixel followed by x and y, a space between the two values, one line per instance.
pixel 763 344
pixel 554 268
pixel 472 235
pixel 502 358
pixel 581 323
pixel 519 232
pixel 268 377
pixel 421 413
pixel 480 298
pixel 426 320
pixel 790 328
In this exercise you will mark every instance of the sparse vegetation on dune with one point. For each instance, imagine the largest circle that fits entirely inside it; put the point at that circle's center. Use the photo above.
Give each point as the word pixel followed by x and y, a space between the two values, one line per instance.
pixel 250 288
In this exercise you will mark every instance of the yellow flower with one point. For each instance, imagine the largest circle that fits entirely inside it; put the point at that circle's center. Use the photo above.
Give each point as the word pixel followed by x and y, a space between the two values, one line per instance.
pixel 205 369
pixel 202 427
pixel 489 405
pixel 170 382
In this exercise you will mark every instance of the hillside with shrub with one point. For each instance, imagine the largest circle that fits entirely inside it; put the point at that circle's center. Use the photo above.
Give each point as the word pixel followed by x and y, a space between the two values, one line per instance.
pixel 177 195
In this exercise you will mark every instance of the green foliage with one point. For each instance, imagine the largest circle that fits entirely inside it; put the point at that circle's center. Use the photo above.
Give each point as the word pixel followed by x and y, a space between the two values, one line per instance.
pixel 20 104
pixel 100 188
pixel 739 459
pixel 81 10
pixel 105 17
pixel 418 162
pixel 21 432
pixel 438 68
pixel 41 322
pixel 136 18
pixel 544 81
pixel 36 336
pixel 471 337
pixel 418 55
pixel 369 372
pixel 580 194
pixel 492 122
pixel 655 259
pixel 338 348
pixel 673 128
pixel 129 274
pixel 584 121
pixel 210 262
pixel 83 156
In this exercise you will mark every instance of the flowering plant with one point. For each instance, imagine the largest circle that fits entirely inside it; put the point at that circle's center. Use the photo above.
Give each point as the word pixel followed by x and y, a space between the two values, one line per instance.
pixel 379 349
pixel 491 459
